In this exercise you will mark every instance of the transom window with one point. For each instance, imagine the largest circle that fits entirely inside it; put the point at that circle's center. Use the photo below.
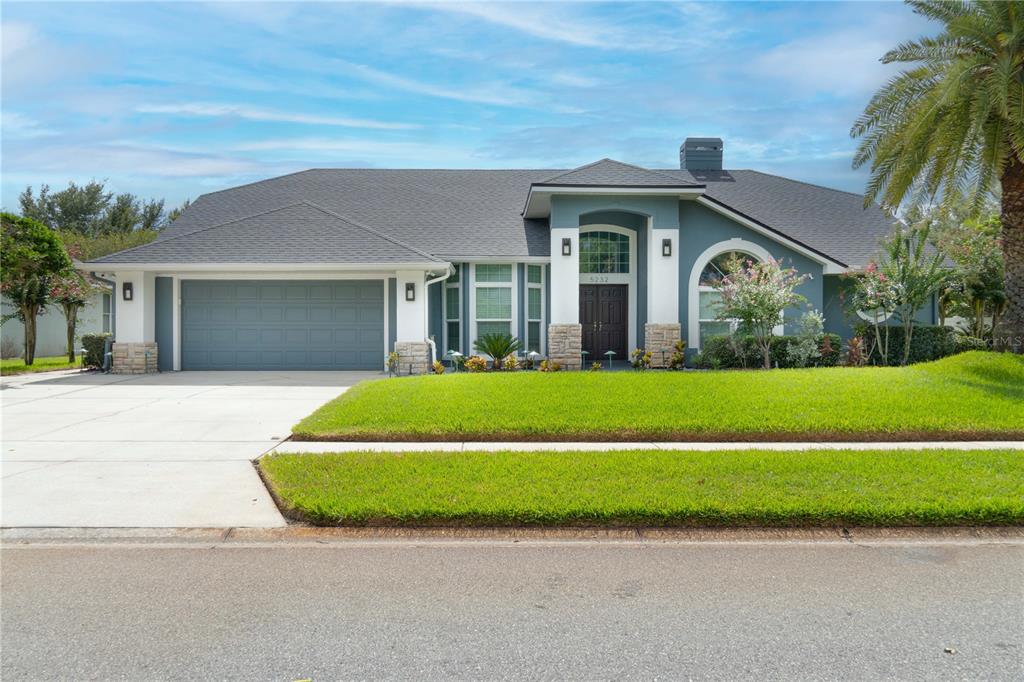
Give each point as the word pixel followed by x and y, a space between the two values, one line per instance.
pixel 604 253
pixel 711 300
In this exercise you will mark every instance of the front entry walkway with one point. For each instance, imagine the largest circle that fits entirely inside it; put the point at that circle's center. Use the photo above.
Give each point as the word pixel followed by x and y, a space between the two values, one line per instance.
pixel 159 450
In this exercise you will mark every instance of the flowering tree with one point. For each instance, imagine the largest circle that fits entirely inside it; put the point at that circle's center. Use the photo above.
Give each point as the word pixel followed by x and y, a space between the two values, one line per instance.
pixel 756 294
pixel 875 296
pixel 71 292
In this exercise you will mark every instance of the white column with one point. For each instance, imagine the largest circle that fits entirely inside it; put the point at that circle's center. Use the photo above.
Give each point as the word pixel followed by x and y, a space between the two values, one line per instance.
pixel 410 316
pixel 565 277
pixel 135 321
pixel 662 277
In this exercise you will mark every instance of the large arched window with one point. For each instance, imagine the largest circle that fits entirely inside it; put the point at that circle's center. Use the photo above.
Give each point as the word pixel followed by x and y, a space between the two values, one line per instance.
pixel 604 253
pixel 709 297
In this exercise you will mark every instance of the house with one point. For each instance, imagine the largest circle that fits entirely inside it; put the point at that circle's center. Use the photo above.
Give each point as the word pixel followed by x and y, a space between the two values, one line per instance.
pixel 51 328
pixel 335 268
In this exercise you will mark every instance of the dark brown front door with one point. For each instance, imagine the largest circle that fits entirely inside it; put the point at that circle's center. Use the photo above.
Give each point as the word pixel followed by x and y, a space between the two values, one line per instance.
pixel 604 314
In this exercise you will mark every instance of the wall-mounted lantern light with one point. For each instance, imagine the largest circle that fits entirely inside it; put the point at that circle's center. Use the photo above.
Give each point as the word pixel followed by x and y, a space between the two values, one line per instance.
pixel 666 247
pixel 410 291
pixel 126 291
pixel 566 247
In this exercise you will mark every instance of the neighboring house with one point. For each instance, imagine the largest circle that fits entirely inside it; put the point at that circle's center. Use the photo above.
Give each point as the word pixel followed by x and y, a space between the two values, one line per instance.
pixel 51 327
pixel 334 268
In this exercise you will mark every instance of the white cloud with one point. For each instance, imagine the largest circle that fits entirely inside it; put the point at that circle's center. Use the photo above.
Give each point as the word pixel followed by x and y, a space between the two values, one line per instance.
pixel 500 94
pixel 18 126
pixel 373 151
pixel 16 37
pixel 214 110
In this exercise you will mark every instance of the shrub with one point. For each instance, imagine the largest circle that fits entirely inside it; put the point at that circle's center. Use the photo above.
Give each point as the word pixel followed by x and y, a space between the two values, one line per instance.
pixel 94 345
pixel 438 367
pixel 678 359
pixel 595 367
pixel 550 366
pixel 475 363
pixel 964 342
pixel 640 358
pixel 736 352
pixel 498 346
pixel 929 342
pixel 510 363
pixel 392 363
pixel 855 352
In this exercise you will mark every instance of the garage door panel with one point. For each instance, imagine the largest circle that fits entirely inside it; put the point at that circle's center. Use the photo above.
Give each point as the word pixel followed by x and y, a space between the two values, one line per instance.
pixel 282 325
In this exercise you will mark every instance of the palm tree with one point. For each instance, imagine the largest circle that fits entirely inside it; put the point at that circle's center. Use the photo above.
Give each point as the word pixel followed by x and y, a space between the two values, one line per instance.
pixel 954 119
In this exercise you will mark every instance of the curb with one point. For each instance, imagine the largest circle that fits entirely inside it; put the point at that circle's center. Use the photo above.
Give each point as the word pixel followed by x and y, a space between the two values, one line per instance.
pixel 300 535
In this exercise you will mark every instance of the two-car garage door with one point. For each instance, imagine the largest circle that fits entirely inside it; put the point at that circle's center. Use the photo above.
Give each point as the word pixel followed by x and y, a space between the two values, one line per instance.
pixel 269 324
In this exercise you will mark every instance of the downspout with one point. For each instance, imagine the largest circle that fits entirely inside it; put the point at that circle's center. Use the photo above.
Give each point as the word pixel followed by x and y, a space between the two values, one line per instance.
pixel 426 311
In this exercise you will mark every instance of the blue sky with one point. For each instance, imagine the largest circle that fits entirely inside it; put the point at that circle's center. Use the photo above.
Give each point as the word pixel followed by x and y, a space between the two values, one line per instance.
pixel 173 100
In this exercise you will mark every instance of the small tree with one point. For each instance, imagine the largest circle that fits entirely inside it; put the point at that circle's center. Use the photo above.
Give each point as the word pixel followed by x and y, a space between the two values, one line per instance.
pixel 757 294
pixel 71 291
pixel 916 271
pixel 30 256
pixel 975 287
pixel 875 297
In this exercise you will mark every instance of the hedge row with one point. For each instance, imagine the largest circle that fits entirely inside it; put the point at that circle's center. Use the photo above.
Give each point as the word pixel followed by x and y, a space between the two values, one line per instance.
pixel 723 352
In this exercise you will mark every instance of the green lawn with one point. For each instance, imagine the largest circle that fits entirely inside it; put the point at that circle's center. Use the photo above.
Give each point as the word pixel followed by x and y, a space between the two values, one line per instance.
pixel 652 488
pixel 50 364
pixel 970 396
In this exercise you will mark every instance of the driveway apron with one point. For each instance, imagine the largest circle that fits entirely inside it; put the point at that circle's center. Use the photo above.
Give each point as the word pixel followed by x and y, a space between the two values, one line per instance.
pixel 158 450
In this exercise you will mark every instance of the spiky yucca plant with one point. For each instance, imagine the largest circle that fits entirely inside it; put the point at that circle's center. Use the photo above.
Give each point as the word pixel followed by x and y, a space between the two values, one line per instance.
pixel 953 121
pixel 498 346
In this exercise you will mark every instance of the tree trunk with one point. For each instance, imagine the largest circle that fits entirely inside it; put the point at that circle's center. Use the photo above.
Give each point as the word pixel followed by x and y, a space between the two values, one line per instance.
pixel 29 313
pixel 1010 335
pixel 71 317
pixel 768 354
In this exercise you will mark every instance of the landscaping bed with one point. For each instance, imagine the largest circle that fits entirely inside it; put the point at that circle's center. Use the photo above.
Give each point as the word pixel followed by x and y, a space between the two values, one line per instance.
pixel 13 366
pixel 971 396
pixel 652 488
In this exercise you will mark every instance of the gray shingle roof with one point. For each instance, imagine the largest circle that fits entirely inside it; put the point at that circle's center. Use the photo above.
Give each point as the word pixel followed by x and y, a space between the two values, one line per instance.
pixel 378 215
pixel 829 221
pixel 298 233
pixel 611 173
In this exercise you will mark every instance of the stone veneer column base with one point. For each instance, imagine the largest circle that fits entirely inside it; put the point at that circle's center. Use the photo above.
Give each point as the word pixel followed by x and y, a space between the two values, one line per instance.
pixel 565 343
pixel 658 338
pixel 134 358
pixel 413 357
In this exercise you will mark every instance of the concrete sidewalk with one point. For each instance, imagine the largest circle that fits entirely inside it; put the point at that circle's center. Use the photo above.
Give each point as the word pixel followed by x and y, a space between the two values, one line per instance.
pixel 432 446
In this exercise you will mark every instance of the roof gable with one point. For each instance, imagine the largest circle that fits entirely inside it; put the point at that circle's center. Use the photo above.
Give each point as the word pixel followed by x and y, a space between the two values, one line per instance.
pixel 611 173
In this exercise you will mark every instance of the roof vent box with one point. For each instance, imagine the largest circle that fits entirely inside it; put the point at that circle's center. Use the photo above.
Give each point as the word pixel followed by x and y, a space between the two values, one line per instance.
pixel 701 153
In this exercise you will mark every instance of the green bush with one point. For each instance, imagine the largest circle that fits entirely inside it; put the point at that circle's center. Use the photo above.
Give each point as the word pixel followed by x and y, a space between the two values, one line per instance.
pixel 929 342
pixel 94 345
pixel 724 352
pixel 964 342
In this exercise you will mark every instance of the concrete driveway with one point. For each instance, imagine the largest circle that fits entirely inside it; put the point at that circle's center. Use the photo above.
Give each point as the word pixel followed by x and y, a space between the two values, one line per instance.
pixel 159 450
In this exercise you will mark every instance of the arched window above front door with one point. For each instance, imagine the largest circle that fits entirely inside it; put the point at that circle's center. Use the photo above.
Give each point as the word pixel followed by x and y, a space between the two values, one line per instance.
pixel 604 253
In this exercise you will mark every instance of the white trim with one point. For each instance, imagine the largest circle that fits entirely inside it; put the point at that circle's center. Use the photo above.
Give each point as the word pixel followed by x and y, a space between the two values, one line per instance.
pixel 277 275
pixel 538 200
pixel 511 284
pixel 693 287
pixel 829 266
pixel 430 266
pixel 499 259
pixel 629 279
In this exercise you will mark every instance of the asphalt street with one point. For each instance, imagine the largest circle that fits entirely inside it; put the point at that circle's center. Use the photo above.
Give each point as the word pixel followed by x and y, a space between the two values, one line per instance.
pixel 504 610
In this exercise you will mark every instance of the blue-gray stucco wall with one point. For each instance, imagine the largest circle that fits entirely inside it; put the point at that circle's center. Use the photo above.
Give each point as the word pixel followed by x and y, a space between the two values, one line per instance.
pixel 164 324
pixel 839 320
pixel 702 227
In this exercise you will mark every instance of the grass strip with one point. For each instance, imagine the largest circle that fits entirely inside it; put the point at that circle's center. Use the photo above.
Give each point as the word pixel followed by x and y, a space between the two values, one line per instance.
pixel 11 366
pixel 972 396
pixel 652 488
